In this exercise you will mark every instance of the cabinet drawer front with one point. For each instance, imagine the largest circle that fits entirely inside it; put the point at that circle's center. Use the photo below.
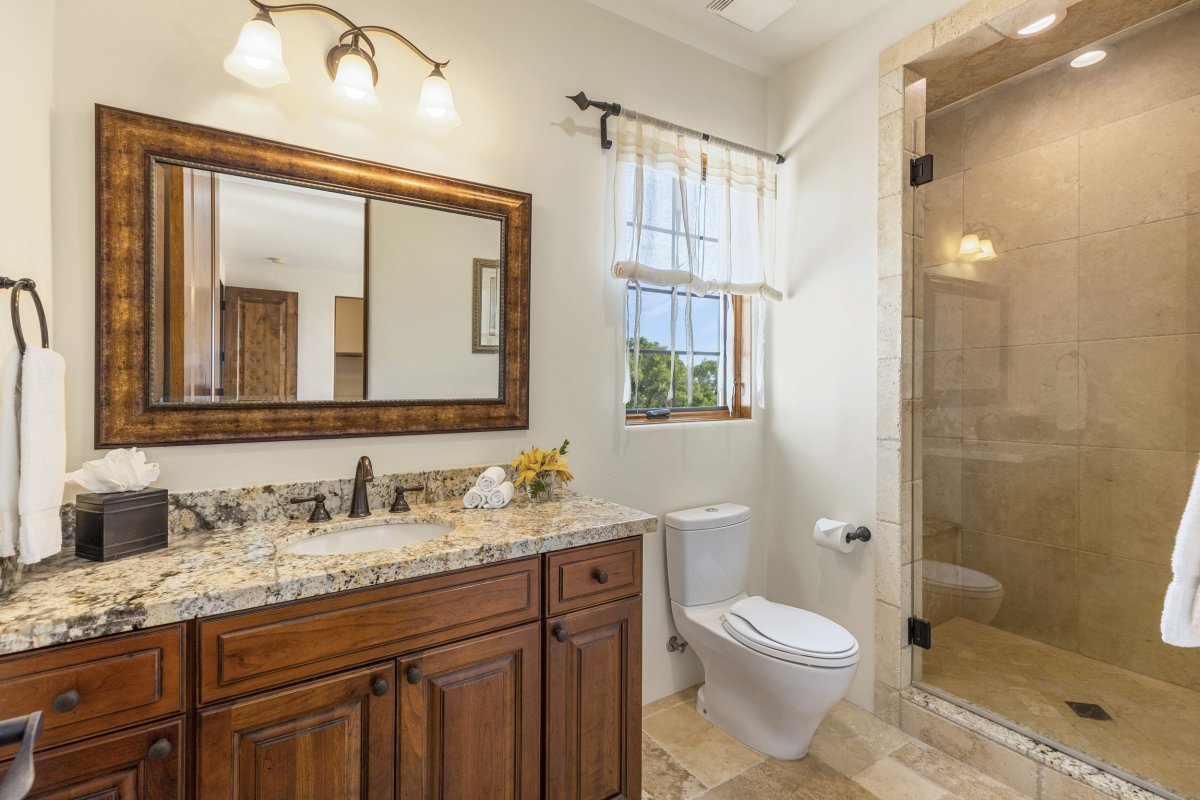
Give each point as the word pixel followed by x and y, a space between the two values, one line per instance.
pixel 94 686
pixel 588 576
pixel 143 763
pixel 273 647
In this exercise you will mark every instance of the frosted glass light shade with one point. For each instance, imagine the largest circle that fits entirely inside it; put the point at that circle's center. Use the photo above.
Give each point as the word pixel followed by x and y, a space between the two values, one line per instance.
pixel 258 56
pixel 970 247
pixel 436 105
pixel 354 82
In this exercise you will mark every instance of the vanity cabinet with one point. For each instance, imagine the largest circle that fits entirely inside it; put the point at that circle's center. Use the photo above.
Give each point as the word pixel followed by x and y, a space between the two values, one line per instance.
pixel 517 681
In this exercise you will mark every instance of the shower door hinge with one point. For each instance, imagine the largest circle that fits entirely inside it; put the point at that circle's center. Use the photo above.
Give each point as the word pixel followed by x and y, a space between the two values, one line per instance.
pixel 920 170
pixel 920 632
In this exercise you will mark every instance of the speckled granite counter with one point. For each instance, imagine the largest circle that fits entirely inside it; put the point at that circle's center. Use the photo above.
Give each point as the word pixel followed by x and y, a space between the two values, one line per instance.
pixel 238 568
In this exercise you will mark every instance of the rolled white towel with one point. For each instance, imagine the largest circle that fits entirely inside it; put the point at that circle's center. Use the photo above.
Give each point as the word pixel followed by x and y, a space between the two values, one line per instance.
pixel 490 479
pixel 474 498
pixel 501 496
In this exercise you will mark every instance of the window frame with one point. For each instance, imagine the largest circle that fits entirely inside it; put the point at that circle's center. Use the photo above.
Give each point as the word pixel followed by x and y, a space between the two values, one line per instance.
pixel 739 401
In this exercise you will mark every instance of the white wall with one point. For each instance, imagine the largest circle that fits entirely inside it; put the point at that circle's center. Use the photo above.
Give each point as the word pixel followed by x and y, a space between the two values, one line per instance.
pixel 27 40
pixel 512 65
pixel 420 304
pixel 821 360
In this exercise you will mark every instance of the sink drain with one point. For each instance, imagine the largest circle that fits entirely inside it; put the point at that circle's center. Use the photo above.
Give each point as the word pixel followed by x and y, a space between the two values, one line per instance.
pixel 1089 711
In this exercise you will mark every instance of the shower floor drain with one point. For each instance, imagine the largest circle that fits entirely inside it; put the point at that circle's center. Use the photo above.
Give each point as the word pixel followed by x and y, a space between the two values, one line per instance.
pixel 1089 711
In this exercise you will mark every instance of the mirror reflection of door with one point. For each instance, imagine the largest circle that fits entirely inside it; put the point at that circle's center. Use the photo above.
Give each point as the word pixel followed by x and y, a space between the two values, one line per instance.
pixel 260 342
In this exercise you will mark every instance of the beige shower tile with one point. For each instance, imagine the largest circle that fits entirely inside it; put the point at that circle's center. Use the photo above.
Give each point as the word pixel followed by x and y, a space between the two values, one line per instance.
pixel 1023 297
pixel 1056 786
pixel 1040 586
pixel 1134 393
pixel 1140 169
pixel 943 308
pixel 1024 394
pixel 1026 199
pixel 944 139
pixel 702 749
pixel 1130 501
pixel 942 404
pixel 1019 116
pixel 1152 69
pixel 888 644
pixel 1120 605
pixel 943 229
pixel 942 473
pixel 1139 281
pixel 1006 766
pixel 1026 491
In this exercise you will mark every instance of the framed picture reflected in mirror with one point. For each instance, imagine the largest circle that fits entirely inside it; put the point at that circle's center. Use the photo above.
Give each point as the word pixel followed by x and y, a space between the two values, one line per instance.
pixel 486 310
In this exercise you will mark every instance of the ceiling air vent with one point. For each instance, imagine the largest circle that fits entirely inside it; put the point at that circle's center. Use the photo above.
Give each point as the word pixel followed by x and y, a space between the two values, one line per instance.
pixel 753 15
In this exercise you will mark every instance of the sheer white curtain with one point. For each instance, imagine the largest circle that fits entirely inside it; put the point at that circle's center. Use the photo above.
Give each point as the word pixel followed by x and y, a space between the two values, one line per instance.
pixel 716 204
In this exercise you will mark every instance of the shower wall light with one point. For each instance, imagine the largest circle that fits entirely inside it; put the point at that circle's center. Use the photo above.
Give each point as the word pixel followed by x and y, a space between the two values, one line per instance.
pixel 257 59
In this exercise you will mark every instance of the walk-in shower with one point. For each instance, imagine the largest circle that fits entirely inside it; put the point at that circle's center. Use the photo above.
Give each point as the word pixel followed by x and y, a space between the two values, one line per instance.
pixel 1057 281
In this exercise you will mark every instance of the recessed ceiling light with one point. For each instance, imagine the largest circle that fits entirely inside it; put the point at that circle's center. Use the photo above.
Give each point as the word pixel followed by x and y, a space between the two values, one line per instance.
pixel 1088 58
pixel 1038 26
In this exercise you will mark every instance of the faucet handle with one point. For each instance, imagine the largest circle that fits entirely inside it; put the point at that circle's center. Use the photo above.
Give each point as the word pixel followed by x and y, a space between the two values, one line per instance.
pixel 319 512
pixel 400 504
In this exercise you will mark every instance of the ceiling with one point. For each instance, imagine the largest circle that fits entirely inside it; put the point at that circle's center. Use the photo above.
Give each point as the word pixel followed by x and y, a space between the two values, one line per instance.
pixel 808 24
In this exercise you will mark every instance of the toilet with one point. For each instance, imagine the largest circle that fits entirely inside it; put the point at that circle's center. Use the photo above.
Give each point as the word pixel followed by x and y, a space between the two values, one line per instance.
pixel 955 590
pixel 771 672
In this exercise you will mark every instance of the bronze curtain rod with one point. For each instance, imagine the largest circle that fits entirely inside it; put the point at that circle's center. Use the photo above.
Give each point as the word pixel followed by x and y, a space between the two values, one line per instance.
pixel 614 110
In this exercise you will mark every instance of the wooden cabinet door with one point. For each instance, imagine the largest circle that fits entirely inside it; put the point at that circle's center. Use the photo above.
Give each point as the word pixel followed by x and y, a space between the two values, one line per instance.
pixel 331 739
pixel 593 703
pixel 470 719
pixel 141 764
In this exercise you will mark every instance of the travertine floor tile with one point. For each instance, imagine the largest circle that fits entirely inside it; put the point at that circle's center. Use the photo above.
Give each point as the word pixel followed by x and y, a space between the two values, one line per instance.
pixel 889 778
pixel 808 779
pixel 703 749
pixel 662 776
pixel 850 739
pixel 954 776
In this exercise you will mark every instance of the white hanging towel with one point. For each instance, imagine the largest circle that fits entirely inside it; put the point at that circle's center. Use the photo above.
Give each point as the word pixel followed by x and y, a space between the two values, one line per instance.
pixel 1182 595
pixel 43 445
pixel 10 521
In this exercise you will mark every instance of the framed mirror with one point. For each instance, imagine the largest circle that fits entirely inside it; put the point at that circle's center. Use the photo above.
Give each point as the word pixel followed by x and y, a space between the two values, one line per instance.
pixel 250 290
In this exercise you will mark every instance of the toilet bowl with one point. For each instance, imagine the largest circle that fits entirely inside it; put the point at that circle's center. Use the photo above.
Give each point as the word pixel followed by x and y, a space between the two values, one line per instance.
pixel 961 591
pixel 771 671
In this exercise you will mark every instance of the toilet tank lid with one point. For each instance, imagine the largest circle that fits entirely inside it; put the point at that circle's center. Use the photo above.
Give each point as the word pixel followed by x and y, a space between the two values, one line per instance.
pixel 717 515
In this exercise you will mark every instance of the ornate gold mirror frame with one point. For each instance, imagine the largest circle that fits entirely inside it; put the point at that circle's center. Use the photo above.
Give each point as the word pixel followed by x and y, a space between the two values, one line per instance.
pixel 128 145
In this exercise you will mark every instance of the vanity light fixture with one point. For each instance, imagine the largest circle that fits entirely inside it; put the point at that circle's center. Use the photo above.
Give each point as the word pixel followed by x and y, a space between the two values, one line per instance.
pixel 257 59
pixel 1088 59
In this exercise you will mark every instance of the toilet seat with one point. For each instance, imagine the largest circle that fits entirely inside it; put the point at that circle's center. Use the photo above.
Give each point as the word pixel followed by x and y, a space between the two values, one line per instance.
pixel 790 634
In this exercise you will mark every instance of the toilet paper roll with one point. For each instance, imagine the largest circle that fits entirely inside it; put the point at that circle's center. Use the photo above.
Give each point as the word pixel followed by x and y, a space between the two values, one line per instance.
pixel 831 533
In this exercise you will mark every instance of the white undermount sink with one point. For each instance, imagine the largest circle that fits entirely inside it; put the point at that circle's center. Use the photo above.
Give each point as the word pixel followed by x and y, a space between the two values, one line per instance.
pixel 368 539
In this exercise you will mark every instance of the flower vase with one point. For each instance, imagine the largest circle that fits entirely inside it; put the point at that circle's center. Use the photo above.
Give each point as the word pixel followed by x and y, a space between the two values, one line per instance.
pixel 541 488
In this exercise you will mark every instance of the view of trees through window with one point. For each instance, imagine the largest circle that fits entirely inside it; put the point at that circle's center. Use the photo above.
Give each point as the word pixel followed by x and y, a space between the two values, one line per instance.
pixel 653 382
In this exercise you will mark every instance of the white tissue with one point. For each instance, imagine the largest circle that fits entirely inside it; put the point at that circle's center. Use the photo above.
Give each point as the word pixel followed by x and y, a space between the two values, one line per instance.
pixel 119 471
pixel 831 533
pixel 501 496
pixel 473 498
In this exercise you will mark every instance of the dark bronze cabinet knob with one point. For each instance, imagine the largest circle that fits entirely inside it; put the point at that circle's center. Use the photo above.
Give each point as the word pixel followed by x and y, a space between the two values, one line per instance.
pixel 601 576
pixel 413 674
pixel 380 687
pixel 159 750
pixel 560 633
pixel 67 701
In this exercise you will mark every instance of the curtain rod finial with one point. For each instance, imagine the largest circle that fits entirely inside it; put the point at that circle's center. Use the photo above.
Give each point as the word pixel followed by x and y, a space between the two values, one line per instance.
pixel 580 100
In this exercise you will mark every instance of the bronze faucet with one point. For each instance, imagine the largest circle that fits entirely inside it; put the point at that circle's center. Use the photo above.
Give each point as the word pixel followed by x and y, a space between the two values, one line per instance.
pixel 360 505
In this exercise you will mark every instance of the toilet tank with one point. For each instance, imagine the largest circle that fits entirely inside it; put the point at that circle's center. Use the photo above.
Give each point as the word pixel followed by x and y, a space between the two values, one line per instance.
pixel 708 553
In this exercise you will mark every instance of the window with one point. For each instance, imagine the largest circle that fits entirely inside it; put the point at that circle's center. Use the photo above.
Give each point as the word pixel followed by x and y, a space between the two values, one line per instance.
pixel 703 381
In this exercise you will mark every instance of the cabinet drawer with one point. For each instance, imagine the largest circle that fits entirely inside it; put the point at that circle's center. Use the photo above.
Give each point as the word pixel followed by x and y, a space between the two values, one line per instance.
pixel 587 576
pixel 94 686
pixel 277 646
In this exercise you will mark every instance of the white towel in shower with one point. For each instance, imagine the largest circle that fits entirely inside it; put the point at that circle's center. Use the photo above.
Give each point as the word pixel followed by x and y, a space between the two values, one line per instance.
pixel 1181 601
pixel 43 424
pixel 10 521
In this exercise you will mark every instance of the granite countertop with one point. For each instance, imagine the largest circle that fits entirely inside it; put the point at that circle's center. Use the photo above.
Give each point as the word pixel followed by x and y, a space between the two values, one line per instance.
pixel 242 568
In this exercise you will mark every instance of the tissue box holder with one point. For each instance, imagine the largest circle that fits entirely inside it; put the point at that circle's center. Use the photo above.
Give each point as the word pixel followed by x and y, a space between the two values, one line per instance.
pixel 113 525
